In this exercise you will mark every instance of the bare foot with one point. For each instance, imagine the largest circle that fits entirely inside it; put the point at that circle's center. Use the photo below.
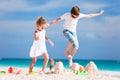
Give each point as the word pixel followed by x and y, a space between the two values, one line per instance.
pixel 70 60
pixel 70 56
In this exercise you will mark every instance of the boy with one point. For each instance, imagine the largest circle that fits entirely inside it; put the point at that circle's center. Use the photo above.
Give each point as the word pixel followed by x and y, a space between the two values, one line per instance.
pixel 69 31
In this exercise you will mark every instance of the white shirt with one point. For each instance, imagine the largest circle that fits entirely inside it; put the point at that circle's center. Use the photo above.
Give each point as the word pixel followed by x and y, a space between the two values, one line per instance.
pixel 71 23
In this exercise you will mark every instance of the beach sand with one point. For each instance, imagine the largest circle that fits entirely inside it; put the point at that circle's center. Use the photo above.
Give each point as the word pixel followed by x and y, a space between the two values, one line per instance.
pixel 68 75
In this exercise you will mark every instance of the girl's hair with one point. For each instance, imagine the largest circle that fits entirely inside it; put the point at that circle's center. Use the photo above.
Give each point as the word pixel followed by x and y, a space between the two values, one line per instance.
pixel 75 10
pixel 40 21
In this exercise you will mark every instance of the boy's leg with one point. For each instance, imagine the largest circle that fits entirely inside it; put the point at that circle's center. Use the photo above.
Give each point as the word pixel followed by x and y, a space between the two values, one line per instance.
pixel 32 64
pixel 73 42
pixel 70 56
pixel 75 45
pixel 67 51
pixel 46 58
pixel 74 50
pixel 69 36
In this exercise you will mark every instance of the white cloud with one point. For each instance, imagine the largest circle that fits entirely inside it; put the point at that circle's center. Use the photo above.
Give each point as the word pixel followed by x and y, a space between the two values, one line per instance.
pixel 92 6
pixel 16 26
pixel 23 5
pixel 109 27
pixel 92 36
pixel 13 5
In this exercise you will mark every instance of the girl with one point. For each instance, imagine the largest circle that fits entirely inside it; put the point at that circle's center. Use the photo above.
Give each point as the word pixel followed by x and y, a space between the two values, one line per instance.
pixel 39 47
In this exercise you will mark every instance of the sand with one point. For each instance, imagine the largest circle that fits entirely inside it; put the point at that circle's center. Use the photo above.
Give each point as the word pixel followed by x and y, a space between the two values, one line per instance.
pixel 68 75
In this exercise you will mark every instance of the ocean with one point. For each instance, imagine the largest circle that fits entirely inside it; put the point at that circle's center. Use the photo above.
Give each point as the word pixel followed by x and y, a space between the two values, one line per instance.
pixel 111 65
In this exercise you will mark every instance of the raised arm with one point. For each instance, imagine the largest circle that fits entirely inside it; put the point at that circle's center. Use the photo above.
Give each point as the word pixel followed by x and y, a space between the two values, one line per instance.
pixel 55 21
pixel 95 14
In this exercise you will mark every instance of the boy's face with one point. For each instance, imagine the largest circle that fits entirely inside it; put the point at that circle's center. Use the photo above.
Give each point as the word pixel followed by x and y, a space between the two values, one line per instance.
pixel 74 16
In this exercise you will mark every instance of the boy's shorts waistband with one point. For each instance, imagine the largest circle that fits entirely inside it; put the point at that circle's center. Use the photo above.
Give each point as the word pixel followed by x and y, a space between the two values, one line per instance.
pixel 68 31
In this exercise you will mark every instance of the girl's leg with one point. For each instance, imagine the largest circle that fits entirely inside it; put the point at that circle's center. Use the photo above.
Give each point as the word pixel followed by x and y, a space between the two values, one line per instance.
pixel 46 58
pixel 67 51
pixel 32 64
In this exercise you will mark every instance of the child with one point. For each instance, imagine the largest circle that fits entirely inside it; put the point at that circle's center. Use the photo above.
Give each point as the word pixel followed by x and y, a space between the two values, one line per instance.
pixel 39 47
pixel 71 19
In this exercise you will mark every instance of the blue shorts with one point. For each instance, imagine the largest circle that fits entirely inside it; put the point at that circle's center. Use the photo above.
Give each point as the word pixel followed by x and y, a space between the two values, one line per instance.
pixel 71 37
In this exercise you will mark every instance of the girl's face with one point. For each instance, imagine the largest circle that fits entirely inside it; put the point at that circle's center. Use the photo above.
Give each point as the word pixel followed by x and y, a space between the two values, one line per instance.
pixel 41 27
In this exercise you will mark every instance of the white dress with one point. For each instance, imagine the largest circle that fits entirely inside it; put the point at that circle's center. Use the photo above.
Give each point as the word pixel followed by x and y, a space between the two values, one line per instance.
pixel 39 46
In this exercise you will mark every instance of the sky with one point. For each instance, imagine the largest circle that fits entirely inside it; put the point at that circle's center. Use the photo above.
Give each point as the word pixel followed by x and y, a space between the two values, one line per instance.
pixel 99 37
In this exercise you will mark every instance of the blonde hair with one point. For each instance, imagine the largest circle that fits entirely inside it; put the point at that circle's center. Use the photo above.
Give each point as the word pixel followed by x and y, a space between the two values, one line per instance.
pixel 40 21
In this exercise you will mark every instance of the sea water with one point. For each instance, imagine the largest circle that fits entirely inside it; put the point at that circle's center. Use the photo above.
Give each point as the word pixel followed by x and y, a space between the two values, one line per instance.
pixel 111 65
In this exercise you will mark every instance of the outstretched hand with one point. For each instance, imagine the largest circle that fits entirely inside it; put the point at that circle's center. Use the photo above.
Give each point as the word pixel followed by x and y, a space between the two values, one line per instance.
pixel 101 12
pixel 47 24
pixel 51 43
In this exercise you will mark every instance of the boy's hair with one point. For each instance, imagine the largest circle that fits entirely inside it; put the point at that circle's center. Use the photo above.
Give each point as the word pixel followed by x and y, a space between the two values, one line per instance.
pixel 40 21
pixel 75 10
